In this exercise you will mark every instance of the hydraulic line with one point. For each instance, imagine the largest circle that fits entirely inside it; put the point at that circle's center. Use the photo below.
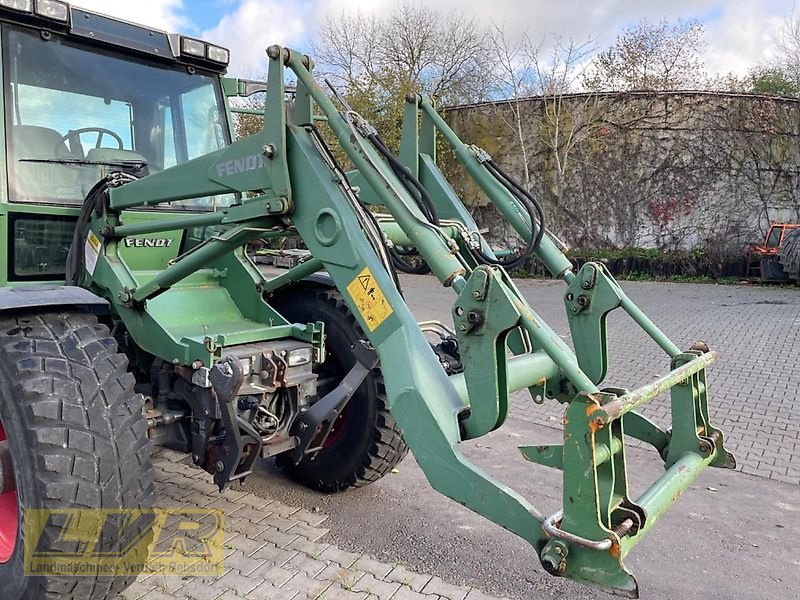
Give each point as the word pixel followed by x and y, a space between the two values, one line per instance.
pixel 95 200
pixel 417 192
pixel 411 183
pixel 531 206
pixel 369 223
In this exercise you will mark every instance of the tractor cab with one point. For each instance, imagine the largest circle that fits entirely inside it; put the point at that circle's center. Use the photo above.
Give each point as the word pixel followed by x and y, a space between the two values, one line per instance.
pixel 83 95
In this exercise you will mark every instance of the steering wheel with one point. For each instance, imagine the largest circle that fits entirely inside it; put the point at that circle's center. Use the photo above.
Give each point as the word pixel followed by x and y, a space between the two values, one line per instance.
pixel 74 134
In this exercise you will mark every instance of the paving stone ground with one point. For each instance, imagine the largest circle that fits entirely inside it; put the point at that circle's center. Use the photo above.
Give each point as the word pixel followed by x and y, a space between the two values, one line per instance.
pixel 274 551
pixel 754 389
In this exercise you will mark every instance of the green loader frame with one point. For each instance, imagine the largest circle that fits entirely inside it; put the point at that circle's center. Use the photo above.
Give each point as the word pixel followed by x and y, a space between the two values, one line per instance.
pixel 600 523
pixel 207 318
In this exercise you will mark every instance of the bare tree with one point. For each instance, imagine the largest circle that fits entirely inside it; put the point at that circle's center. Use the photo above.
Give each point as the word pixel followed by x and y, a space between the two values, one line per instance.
pixel 651 56
pixel 756 141
pixel 788 47
pixel 526 70
pixel 378 60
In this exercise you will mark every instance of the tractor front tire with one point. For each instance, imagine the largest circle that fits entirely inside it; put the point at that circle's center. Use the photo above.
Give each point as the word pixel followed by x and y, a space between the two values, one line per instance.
pixel 74 429
pixel 366 443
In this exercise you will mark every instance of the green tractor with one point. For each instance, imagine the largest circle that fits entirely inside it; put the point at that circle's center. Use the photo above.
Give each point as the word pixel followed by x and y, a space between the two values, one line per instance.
pixel 132 314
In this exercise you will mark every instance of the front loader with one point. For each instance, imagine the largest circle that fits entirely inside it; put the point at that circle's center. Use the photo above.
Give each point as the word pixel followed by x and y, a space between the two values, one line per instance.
pixel 133 315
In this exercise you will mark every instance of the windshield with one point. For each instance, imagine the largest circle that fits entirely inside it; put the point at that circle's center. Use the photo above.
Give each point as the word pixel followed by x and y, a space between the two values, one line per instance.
pixel 73 114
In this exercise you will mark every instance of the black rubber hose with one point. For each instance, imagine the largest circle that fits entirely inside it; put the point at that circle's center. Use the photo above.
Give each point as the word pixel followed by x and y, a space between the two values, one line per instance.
pixel 392 266
pixel 406 267
pixel 531 208
pixel 416 189
pixel 507 180
pixel 74 264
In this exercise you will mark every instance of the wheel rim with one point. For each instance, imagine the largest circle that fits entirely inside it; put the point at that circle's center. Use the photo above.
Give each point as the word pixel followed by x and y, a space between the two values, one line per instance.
pixel 333 368
pixel 9 517
pixel 338 429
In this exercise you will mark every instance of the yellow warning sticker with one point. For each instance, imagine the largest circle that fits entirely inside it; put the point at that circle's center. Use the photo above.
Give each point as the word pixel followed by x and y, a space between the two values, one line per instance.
pixel 369 299
pixel 91 252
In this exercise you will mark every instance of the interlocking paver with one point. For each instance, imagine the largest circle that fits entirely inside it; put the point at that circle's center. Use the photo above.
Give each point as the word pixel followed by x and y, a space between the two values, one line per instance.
pixel 342 575
pixel 277 576
pixel 271 560
pixel 415 581
pixel 376 587
pixel 273 555
pixel 307 531
pixel 244 544
pixel 310 517
pixel 269 591
pixel 232 580
pixel 406 593
pixel 279 538
pixel 337 592
pixel 445 590
pixel 753 387
pixel 370 565
pixel 307 586
pixel 305 564
pixel 313 549
pixel 346 559
pixel 201 589
pixel 242 563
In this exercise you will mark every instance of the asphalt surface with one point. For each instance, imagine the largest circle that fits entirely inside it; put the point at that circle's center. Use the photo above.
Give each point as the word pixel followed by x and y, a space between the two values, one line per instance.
pixel 732 535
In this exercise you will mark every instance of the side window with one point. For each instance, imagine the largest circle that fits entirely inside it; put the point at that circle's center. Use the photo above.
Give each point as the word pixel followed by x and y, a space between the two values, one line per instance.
pixel 38 246
pixel 170 150
pixel 774 239
pixel 204 130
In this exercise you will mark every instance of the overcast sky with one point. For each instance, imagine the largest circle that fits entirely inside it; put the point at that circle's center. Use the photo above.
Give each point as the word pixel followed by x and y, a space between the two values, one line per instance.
pixel 739 33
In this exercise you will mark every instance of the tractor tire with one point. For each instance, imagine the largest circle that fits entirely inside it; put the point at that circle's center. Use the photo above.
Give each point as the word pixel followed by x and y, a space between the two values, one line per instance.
pixel 77 439
pixel 789 255
pixel 366 442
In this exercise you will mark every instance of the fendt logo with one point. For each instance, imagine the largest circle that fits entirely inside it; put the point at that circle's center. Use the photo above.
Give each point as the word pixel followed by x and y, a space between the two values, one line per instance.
pixel 240 165
pixel 148 242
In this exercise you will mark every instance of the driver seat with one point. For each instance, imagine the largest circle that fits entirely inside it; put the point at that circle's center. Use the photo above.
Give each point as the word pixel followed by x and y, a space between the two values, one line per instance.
pixel 41 181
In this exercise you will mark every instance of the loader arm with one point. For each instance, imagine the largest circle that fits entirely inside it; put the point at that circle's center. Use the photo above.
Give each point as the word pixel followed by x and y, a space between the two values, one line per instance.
pixel 292 183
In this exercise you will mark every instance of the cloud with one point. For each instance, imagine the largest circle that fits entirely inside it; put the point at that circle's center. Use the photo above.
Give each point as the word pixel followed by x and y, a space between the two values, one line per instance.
pixel 254 25
pixel 742 37
pixel 167 15
pixel 739 33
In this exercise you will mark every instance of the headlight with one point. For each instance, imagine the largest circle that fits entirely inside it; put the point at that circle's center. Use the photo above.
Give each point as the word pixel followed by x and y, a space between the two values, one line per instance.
pixel 300 356
pixel 193 47
pixel 22 5
pixel 218 54
pixel 53 9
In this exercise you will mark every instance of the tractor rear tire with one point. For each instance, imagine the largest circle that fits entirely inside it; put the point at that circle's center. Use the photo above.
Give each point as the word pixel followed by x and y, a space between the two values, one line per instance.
pixel 78 440
pixel 366 442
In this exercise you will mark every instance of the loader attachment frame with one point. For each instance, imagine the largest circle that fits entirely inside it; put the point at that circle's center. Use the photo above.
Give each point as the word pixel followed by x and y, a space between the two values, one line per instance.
pixel 292 182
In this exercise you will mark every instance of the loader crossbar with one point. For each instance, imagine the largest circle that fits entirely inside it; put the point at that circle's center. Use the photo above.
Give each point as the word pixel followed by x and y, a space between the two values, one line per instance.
pixel 504 344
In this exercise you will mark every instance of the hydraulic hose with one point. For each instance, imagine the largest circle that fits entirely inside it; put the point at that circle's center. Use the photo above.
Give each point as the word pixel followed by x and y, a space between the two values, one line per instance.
pixel 411 183
pixel 74 265
pixel 531 206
